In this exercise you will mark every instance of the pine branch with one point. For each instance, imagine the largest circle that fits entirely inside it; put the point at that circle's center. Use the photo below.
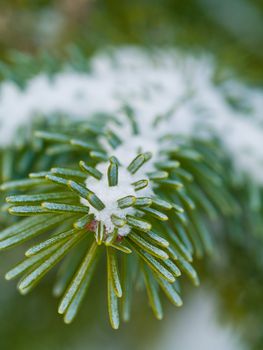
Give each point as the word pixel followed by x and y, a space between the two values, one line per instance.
pixel 162 222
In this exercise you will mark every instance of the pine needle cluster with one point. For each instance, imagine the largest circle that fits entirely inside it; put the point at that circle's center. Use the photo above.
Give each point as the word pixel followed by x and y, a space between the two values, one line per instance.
pixel 156 232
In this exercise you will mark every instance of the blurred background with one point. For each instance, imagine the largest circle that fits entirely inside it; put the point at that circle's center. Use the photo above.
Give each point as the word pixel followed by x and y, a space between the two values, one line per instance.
pixel 42 33
pixel 232 29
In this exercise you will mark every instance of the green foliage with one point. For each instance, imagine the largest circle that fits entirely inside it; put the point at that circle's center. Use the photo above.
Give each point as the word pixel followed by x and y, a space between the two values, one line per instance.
pixel 168 229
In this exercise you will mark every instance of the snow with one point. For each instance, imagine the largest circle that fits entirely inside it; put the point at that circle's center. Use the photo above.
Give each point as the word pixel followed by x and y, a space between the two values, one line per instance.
pixel 110 196
pixel 152 83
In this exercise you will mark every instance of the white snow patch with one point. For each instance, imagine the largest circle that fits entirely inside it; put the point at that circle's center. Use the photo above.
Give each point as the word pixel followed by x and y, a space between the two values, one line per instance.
pixel 153 84
pixel 110 195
